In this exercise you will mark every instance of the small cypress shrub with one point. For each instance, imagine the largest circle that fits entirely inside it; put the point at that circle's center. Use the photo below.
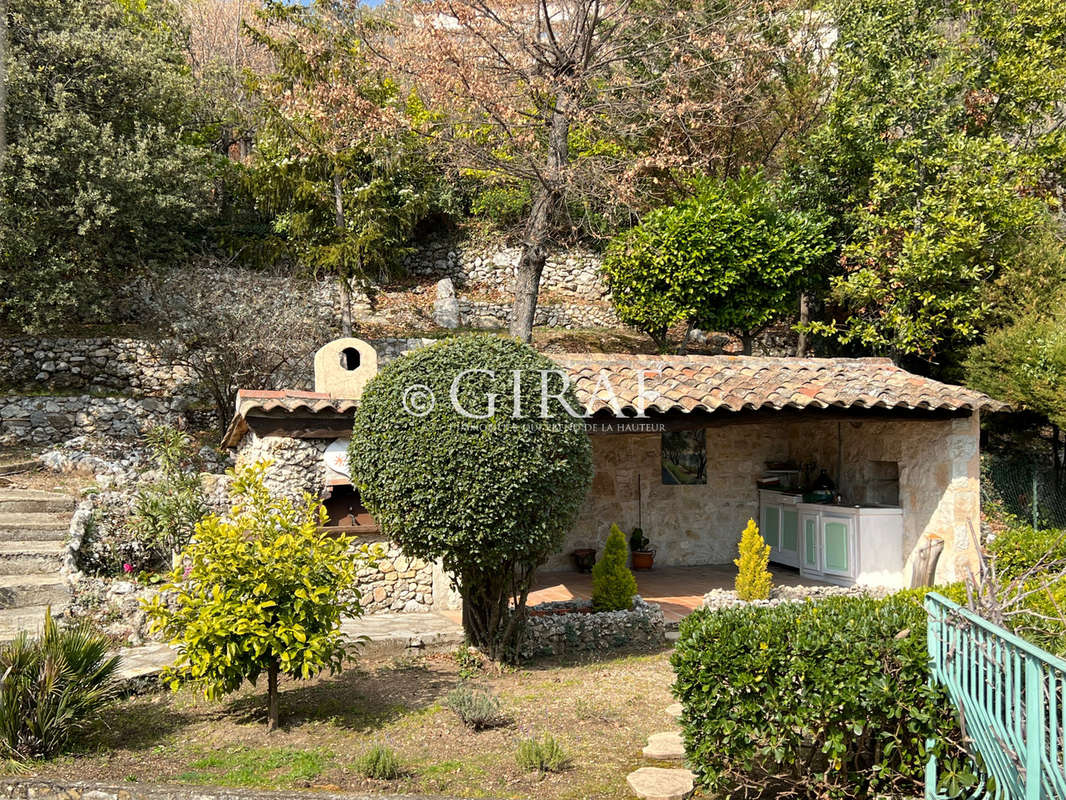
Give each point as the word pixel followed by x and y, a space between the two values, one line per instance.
pixel 478 710
pixel 753 577
pixel 613 584
pixel 379 763
pixel 542 755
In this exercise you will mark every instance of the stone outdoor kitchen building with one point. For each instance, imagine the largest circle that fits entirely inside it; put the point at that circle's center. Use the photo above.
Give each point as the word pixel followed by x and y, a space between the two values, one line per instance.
pixel 894 458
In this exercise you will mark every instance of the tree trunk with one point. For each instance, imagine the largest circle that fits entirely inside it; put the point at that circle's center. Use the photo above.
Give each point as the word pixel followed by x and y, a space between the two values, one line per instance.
pixel 536 235
pixel 746 340
pixel 344 279
pixel 805 317
pixel 272 697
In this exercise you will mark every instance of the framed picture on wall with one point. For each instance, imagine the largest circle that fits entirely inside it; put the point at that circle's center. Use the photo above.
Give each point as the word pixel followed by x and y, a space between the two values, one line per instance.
pixel 684 456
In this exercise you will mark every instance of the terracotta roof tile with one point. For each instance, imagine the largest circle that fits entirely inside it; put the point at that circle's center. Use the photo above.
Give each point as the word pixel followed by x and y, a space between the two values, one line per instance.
pixel 708 383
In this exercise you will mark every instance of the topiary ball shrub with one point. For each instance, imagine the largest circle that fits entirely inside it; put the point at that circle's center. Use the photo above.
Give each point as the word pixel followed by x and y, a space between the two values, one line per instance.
pixel 815 699
pixel 613 585
pixel 454 467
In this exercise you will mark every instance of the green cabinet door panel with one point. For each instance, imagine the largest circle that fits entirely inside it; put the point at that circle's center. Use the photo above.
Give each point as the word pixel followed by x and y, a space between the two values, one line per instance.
pixel 790 530
pixel 771 525
pixel 810 543
pixel 835 541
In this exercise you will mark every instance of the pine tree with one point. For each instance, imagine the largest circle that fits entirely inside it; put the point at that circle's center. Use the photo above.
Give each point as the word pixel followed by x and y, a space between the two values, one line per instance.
pixel 613 585
pixel 753 577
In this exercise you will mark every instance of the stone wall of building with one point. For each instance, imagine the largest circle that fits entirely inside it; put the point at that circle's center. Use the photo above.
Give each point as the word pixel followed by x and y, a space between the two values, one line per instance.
pixel 392 582
pixel 937 461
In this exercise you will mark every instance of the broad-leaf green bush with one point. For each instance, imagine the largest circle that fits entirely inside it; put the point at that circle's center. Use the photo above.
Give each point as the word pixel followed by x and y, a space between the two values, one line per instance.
pixel 820 699
pixel 51 686
pixel 613 585
pixel 263 591
pixel 493 494
pixel 1021 549
pixel 732 258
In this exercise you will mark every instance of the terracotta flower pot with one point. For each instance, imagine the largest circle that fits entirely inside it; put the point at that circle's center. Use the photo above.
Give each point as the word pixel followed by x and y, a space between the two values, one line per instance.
pixel 643 559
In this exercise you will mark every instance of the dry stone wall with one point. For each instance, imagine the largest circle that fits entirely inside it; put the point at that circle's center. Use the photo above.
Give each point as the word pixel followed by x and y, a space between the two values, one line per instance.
pixel 33 420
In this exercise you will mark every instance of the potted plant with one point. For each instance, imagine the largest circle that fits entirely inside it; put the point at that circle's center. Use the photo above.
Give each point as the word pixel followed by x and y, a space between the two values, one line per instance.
pixel 643 557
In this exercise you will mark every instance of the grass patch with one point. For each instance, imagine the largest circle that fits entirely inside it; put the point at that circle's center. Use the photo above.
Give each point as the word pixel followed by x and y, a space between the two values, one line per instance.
pixel 380 764
pixel 541 755
pixel 271 767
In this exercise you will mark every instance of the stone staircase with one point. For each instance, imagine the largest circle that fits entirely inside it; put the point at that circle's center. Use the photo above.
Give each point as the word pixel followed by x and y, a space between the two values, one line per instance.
pixel 33 533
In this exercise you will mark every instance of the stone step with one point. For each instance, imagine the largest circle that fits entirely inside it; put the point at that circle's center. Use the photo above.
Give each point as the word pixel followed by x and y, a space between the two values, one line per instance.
pixel 666 746
pixel 37 527
pixel 27 557
pixel 656 783
pixel 34 500
pixel 675 710
pixel 15 465
pixel 27 618
pixel 21 591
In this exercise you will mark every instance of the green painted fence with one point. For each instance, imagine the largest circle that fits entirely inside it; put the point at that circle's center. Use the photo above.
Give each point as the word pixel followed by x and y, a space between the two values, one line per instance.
pixel 1011 697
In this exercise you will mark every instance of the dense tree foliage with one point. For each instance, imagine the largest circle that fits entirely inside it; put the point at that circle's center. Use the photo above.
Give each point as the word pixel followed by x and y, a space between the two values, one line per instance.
pixel 454 467
pixel 732 258
pixel 102 174
pixel 336 164
pixel 569 111
pixel 937 158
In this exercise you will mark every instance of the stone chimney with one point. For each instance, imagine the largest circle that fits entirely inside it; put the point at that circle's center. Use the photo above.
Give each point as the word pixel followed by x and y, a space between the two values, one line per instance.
pixel 343 367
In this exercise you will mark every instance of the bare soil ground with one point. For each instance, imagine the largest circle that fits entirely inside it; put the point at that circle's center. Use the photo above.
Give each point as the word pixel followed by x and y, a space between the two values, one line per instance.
pixel 601 712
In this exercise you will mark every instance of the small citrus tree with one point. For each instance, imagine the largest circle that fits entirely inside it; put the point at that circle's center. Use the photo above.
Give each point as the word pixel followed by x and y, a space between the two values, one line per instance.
pixel 613 585
pixel 263 590
pixel 753 578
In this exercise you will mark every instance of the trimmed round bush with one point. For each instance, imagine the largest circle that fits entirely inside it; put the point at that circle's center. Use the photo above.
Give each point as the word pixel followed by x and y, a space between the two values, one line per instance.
pixel 815 699
pixel 450 472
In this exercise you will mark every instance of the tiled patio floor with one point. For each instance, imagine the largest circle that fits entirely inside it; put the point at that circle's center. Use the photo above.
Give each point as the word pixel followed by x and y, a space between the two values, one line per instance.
pixel 679 590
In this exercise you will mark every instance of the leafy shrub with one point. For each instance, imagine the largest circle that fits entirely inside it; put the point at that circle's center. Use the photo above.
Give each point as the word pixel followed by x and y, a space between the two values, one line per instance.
pixel 541 755
pixel 469 662
pixel 817 699
pixel 477 709
pixel 753 578
pixel 264 592
pixel 482 484
pixel 166 510
pixel 379 763
pixel 613 585
pixel 1021 548
pixel 51 686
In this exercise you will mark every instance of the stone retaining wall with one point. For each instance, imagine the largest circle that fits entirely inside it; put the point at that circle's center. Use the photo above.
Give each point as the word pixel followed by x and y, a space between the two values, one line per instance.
pixel 578 632
pixel 575 271
pixel 40 420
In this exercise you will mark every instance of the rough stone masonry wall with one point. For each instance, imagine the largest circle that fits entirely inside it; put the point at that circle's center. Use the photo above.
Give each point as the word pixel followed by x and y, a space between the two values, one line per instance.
pixel 701 524
pixel 33 420
pixel 393 582
pixel 553 634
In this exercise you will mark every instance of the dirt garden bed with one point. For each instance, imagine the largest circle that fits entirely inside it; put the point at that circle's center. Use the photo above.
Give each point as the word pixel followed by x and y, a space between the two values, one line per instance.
pixel 601 712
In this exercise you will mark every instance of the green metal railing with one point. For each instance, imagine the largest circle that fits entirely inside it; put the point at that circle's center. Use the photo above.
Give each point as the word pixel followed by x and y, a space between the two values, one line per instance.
pixel 1011 697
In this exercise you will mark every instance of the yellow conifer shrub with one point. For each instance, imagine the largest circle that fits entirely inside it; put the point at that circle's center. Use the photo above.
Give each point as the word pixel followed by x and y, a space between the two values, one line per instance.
pixel 753 577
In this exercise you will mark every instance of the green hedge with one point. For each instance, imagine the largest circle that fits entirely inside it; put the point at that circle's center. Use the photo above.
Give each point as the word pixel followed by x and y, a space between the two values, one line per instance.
pixel 1020 548
pixel 819 699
